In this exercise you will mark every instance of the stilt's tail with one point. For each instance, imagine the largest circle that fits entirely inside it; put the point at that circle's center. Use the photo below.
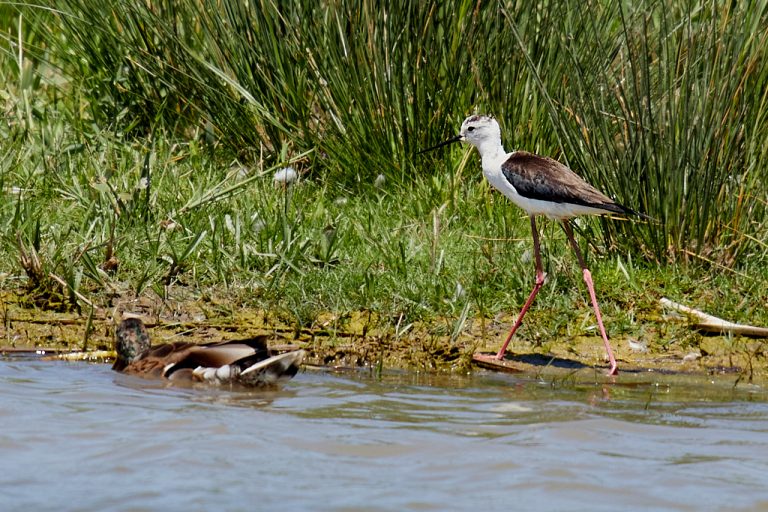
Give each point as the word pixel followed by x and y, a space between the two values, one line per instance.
pixel 629 211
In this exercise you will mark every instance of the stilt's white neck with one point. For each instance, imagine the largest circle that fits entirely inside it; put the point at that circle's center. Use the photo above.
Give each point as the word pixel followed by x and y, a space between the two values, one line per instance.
pixel 490 149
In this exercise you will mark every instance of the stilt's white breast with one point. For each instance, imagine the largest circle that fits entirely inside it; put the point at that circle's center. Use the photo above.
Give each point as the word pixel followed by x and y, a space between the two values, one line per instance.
pixel 492 172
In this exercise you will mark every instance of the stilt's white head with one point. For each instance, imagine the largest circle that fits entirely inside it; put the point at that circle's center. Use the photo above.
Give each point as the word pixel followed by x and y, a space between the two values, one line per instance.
pixel 480 130
pixel 483 132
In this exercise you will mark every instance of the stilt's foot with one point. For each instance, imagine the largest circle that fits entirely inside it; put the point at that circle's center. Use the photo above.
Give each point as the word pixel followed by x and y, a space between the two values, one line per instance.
pixel 614 370
pixel 484 358
pixel 491 362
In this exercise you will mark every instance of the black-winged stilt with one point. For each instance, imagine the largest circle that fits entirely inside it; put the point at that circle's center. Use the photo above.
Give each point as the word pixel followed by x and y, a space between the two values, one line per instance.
pixel 540 186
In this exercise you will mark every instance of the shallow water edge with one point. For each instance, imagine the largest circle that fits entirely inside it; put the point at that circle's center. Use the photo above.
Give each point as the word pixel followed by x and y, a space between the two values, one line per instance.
pixel 78 436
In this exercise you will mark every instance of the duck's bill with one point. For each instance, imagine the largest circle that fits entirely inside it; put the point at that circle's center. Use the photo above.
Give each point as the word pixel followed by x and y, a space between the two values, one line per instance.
pixel 457 138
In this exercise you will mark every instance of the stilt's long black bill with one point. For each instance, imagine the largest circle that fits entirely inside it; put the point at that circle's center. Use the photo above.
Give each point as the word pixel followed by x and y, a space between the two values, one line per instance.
pixel 449 141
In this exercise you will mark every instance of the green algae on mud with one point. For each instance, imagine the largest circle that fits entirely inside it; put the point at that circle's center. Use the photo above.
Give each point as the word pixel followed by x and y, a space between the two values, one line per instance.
pixel 355 344
pixel 361 340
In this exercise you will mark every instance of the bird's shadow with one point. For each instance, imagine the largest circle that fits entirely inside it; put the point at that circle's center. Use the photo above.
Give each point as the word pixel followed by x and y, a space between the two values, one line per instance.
pixel 545 360
pixel 515 362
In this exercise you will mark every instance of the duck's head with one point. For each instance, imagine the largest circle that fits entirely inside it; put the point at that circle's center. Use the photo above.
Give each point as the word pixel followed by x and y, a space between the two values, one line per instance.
pixel 131 342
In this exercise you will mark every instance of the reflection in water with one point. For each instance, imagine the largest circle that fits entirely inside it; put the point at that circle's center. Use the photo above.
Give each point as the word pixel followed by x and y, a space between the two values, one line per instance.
pixel 79 436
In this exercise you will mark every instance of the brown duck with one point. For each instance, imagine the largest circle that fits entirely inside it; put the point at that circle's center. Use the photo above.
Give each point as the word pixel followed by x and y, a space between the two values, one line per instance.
pixel 245 362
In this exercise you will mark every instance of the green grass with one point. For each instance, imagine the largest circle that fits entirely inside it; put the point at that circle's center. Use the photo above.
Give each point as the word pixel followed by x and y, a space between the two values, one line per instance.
pixel 658 103
pixel 140 145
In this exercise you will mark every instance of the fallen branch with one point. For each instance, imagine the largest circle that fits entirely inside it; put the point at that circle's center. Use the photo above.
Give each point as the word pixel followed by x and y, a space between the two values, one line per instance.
pixel 708 323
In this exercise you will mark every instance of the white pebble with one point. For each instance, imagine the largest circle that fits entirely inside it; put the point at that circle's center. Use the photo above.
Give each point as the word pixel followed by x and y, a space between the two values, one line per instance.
pixel 693 356
pixel 285 176
pixel 257 224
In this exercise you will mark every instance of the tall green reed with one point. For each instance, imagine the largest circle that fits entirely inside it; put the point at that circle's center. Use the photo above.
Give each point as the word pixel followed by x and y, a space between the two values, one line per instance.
pixel 658 103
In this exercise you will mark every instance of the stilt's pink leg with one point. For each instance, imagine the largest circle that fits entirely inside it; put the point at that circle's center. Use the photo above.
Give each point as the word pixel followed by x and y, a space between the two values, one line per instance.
pixel 591 288
pixel 536 287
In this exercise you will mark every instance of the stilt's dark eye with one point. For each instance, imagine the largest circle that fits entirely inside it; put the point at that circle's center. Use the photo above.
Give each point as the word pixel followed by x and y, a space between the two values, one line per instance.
pixel 471 129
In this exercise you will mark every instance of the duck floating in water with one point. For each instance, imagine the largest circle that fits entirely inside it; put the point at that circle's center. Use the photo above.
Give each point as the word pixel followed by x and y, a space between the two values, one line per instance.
pixel 245 362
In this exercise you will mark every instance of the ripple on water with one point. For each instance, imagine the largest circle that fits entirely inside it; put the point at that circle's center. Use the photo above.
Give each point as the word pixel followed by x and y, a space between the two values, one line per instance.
pixel 78 436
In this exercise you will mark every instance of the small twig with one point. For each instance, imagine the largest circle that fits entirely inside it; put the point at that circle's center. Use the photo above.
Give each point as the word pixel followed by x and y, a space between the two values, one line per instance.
pixel 47 320
pixel 716 264
pixel 63 283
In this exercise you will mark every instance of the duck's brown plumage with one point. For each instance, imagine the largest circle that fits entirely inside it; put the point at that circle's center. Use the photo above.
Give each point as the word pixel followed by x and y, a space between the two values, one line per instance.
pixel 243 361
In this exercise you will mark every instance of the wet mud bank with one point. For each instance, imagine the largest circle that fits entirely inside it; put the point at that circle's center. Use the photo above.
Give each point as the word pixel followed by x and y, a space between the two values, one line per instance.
pixel 360 341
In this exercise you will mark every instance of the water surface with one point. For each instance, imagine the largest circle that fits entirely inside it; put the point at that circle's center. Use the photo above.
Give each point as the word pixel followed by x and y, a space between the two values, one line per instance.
pixel 77 436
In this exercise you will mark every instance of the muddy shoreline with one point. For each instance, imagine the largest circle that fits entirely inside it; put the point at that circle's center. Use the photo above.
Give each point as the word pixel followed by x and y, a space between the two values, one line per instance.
pixel 359 341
